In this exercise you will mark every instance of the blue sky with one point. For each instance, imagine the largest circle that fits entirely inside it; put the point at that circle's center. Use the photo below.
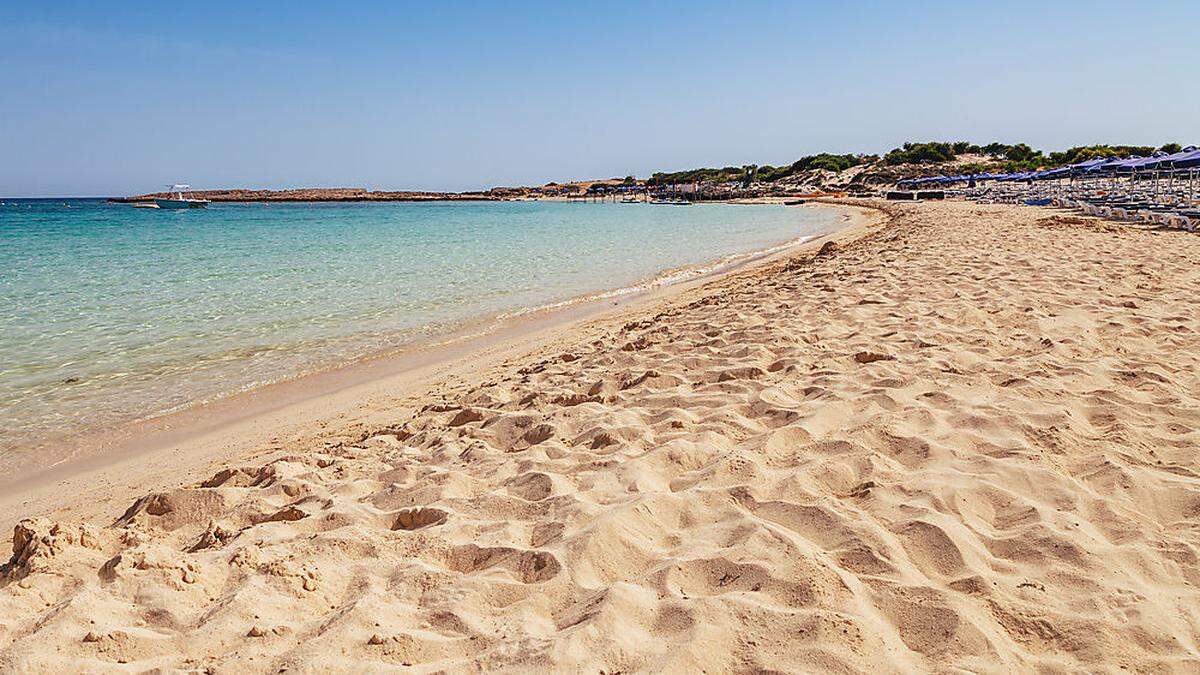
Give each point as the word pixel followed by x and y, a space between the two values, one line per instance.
pixel 116 98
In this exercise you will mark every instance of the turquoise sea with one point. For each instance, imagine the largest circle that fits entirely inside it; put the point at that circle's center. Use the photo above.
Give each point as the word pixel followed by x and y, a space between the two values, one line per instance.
pixel 110 313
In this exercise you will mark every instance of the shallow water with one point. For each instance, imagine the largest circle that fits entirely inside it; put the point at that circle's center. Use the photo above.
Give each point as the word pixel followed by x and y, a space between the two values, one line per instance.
pixel 110 313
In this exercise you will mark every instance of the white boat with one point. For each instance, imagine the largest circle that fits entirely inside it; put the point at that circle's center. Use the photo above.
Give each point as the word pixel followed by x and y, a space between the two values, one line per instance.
pixel 145 205
pixel 181 202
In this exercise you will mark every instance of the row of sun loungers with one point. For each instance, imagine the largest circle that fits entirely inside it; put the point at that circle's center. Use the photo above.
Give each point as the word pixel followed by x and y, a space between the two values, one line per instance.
pixel 1154 214
pixel 1162 190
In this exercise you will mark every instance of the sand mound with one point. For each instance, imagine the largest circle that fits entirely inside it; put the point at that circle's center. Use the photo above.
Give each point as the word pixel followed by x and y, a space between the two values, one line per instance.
pixel 966 441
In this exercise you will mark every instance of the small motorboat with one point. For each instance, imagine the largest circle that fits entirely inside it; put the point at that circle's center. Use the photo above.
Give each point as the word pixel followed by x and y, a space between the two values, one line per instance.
pixel 145 205
pixel 181 202
pixel 795 202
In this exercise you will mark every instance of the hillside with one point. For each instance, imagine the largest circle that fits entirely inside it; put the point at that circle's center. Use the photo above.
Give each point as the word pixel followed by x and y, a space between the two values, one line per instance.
pixel 861 173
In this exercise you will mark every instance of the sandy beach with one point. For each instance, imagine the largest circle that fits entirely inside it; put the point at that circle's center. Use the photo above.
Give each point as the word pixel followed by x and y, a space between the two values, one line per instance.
pixel 951 437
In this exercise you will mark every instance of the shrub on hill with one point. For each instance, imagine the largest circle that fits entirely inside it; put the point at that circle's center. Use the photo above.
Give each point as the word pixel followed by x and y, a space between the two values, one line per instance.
pixel 729 173
pixel 826 161
pixel 1083 153
pixel 934 152
pixel 766 172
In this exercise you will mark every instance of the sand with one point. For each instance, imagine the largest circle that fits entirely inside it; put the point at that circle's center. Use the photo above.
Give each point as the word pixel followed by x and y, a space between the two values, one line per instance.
pixel 963 438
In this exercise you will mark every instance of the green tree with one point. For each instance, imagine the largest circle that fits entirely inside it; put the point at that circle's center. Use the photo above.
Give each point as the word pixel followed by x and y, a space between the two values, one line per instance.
pixel 920 153
pixel 1021 153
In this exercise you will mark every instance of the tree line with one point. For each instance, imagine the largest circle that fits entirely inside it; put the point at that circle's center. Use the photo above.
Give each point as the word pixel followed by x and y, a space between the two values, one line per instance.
pixel 997 157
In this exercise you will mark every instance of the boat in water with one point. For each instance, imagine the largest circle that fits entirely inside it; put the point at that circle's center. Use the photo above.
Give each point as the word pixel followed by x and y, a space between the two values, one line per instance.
pixel 180 201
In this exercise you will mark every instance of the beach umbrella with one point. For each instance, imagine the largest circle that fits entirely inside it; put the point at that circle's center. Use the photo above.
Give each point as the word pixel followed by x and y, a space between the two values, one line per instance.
pixel 1159 161
pixel 1170 163
pixel 1107 165
pixel 1082 167
pixel 1052 173
pixel 1115 167
pixel 1187 158
pixel 1133 166
pixel 1137 163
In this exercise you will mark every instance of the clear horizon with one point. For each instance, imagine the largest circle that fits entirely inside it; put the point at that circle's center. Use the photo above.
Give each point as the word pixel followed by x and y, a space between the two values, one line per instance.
pixel 111 100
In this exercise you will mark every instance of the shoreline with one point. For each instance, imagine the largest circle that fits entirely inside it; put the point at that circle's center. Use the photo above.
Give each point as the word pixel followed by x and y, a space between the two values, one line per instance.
pixel 29 437
pixel 66 459
pixel 962 439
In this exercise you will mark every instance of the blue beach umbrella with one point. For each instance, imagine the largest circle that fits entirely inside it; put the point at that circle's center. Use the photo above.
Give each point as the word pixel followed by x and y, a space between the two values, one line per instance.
pixel 1083 167
pixel 1169 161
pixel 1108 165
pixel 1136 163
pixel 1186 159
